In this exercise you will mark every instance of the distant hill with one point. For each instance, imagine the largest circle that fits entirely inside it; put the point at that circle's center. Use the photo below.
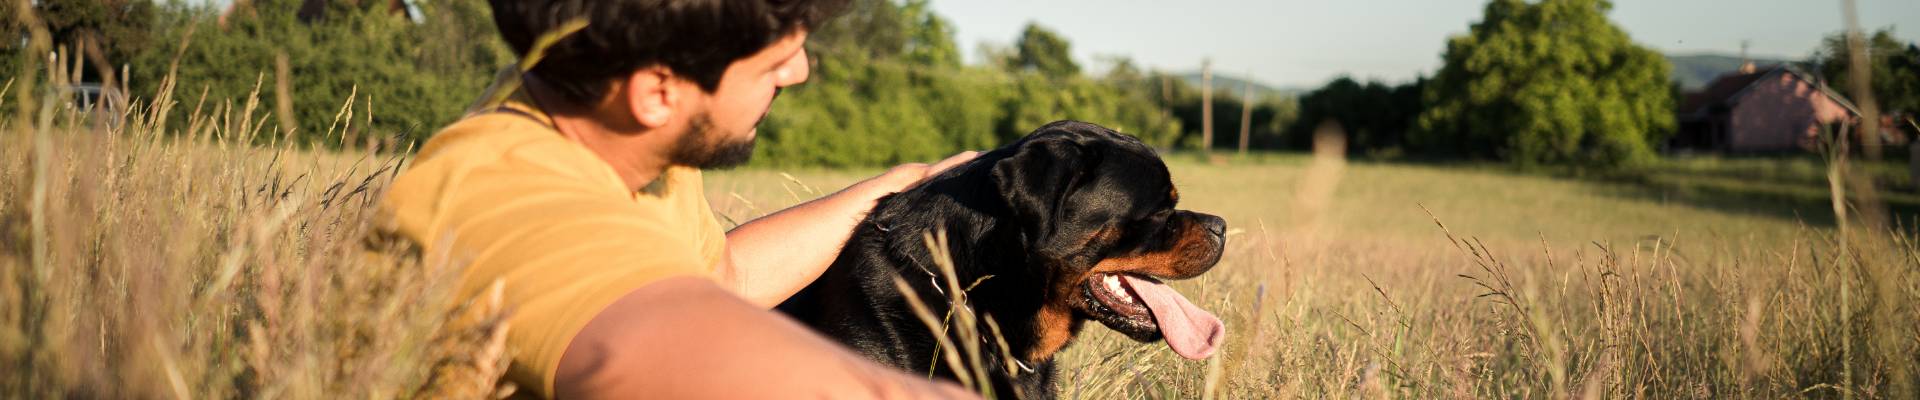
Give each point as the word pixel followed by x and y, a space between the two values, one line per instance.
pixel 1223 83
pixel 1695 71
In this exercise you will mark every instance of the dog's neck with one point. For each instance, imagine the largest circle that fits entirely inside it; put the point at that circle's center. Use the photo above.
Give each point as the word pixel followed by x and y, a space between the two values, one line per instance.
pixel 1016 306
pixel 980 239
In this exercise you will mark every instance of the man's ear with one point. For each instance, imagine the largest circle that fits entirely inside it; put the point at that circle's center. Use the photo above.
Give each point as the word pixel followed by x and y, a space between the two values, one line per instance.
pixel 651 96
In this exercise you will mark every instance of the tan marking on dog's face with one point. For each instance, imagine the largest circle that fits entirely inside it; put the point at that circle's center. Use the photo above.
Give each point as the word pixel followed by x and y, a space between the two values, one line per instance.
pixel 1185 258
pixel 1055 326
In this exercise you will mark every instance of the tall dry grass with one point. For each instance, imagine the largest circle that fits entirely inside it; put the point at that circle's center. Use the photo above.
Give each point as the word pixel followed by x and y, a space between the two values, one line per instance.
pixel 1512 286
pixel 1319 313
pixel 202 257
pixel 1831 312
pixel 142 257
pixel 198 262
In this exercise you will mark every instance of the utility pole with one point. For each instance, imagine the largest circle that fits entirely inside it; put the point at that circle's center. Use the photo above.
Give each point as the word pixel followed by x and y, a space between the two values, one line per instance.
pixel 1246 113
pixel 1743 51
pixel 1206 105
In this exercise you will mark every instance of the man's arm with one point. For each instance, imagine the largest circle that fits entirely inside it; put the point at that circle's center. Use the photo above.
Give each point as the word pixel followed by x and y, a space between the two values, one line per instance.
pixel 687 338
pixel 773 257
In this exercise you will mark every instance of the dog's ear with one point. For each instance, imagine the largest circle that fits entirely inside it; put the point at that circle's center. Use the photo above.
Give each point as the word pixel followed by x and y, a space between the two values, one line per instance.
pixel 1036 182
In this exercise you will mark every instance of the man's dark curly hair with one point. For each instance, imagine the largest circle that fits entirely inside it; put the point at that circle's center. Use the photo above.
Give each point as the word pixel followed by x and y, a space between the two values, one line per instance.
pixel 696 39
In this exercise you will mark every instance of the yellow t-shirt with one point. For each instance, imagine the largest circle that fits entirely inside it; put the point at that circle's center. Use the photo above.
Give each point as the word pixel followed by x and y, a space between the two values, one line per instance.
pixel 507 198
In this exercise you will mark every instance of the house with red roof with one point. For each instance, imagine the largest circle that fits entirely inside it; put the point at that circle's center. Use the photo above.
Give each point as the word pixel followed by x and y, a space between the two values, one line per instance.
pixel 1762 109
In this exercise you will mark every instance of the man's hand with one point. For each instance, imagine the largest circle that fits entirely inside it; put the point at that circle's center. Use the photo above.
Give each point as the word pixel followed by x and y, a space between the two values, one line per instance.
pixel 903 176
pixel 773 257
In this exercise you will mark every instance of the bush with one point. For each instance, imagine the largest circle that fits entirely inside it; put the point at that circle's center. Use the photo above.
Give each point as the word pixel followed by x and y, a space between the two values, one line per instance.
pixel 1376 116
pixel 1548 83
pixel 419 76
pixel 888 86
pixel 885 90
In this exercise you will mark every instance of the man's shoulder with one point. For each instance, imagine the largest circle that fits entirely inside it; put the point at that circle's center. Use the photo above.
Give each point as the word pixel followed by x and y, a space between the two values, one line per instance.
pixel 487 134
pixel 485 162
pixel 507 144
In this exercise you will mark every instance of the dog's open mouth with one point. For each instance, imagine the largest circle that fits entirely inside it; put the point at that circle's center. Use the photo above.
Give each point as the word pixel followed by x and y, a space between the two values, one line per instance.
pixel 1145 309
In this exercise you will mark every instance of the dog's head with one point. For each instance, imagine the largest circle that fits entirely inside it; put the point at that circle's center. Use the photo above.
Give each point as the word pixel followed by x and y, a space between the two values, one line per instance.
pixel 1095 211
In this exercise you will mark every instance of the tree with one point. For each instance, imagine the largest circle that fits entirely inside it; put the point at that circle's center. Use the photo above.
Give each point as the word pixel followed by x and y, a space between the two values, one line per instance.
pixel 876 29
pixel 929 37
pixel 888 87
pixel 1376 116
pixel 405 78
pixel 885 30
pixel 107 33
pixel 1895 69
pixel 1042 50
pixel 456 24
pixel 1547 83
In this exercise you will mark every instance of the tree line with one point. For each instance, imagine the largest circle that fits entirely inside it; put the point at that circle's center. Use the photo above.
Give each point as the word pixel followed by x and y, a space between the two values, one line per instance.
pixel 1541 83
pixel 407 68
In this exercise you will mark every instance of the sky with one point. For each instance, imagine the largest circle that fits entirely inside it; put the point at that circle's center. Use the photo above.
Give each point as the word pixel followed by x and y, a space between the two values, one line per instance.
pixel 1296 43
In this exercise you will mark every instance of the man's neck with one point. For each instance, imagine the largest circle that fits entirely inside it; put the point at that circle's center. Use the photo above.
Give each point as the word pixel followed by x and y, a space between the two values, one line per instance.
pixel 613 143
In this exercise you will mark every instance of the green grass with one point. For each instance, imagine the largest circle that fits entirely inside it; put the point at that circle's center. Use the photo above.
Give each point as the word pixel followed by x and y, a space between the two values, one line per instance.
pixel 1782 186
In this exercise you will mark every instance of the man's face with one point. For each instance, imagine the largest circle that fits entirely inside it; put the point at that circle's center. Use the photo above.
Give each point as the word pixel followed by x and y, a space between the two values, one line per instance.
pixel 721 134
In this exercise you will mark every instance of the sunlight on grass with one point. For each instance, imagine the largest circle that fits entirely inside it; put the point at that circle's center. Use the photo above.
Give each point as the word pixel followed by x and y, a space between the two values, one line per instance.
pixel 201 258
pixel 1538 288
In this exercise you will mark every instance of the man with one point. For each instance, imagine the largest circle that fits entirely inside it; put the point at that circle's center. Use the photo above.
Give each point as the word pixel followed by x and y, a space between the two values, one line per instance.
pixel 582 196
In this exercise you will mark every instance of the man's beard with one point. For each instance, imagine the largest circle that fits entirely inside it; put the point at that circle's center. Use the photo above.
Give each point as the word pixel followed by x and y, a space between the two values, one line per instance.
pixel 696 149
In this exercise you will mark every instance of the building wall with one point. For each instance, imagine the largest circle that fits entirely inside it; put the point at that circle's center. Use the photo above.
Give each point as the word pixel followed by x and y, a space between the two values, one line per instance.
pixel 1780 112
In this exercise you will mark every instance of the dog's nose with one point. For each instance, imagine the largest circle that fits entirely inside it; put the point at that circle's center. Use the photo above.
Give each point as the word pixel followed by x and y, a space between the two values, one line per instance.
pixel 1214 224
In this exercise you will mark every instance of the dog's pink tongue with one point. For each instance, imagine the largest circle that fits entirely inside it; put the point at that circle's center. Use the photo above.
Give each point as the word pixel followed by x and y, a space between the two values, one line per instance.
pixel 1192 332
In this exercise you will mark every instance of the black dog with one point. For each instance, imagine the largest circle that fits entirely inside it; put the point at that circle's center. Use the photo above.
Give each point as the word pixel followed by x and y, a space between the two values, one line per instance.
pixel 1075 222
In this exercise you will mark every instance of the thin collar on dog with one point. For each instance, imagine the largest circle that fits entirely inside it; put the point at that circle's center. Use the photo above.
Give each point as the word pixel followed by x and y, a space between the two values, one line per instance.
pixel 1023 365
pixel 935 280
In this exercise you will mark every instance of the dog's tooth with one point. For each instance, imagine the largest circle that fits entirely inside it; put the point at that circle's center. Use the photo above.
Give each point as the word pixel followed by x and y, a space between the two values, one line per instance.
pixel 1113 284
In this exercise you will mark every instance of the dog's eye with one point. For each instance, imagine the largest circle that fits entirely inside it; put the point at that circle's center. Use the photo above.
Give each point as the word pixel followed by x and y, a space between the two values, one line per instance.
pixel 1158 217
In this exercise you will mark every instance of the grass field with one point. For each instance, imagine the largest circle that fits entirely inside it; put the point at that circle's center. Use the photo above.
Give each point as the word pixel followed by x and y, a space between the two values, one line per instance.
pixel 1548 288
pixel 191 265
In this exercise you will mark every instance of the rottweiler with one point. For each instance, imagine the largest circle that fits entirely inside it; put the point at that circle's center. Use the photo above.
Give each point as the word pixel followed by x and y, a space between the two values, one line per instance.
pixel 1074 222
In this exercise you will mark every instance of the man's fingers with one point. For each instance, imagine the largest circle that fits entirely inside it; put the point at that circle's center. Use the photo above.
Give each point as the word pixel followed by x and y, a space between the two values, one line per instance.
pixel 914 170
pixel 950 162
pixel 904 175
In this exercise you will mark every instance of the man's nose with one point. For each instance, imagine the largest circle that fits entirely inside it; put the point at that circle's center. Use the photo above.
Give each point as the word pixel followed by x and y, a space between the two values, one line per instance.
pixel 794 70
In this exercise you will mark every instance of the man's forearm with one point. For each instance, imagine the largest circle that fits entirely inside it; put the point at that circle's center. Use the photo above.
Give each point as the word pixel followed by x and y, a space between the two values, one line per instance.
pixel 686 338
pixel 775 256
